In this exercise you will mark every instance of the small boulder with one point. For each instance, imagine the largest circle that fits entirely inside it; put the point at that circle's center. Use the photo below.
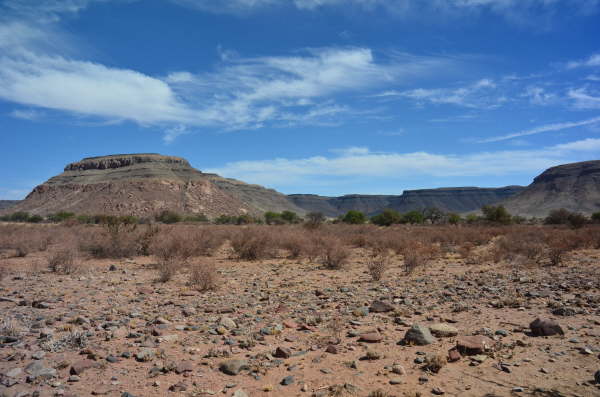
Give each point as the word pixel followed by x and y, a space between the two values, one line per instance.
pixel 371 337
pixel 283 352
pixel 419 335
pixel 545 327
pixel 472 345
pixel 233 367
pixel 443 330
pixel 380 307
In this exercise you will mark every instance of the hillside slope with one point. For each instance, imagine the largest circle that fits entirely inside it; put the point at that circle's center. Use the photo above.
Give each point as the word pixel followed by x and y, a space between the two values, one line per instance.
pixel 145 184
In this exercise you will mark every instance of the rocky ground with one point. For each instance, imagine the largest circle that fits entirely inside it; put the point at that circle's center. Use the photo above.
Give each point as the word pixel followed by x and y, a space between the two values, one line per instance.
pixel 289 328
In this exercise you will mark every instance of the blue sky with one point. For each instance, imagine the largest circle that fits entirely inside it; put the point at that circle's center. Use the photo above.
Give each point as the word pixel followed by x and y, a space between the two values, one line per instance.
pixel 304 96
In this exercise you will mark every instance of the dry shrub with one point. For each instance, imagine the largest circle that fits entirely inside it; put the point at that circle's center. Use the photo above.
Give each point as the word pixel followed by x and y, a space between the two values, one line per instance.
pixel 64 261
pixel 335 254
pixel 435 362
pixel 204 277
pixel 378 264
pixel 109 241
pixel 295 242
pixel 252 243
pixel 418 255
pixel 208 241
pixel 558 246
pixel 173 251
pixel 519 245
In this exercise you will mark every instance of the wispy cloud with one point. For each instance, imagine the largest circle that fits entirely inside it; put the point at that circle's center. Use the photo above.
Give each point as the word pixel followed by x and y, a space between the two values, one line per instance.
pixel 480 94
pixel 583 99
pixel 542 129
pixel 241 93
pixel 27 114
pixel 520 11
pixel 362 164
pixel 592 61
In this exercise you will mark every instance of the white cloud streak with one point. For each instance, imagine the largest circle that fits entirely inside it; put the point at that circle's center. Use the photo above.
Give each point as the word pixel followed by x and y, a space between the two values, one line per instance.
pixel 542 129
pixel 481 94
pixel 592 61
pixel 243 93
pixel 360 163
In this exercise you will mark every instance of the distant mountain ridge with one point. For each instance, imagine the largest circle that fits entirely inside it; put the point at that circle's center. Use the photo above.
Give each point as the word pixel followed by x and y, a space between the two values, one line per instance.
pixel 454 199
pixel 145 184
pixel 8 203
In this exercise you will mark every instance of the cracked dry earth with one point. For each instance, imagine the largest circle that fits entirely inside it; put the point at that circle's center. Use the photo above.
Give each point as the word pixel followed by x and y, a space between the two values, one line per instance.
pixel 284 328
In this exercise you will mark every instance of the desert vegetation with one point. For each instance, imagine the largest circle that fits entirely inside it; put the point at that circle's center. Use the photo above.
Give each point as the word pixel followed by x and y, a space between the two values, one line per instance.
pixel 343 294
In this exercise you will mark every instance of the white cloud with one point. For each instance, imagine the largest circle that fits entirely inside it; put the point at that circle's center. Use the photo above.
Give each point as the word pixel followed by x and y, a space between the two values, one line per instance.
pixel 592 61
pixel 520 11
pixel 543 128
pixel 27 114
pixel 583 99
pixel 241 93
pixel 361 163
pixel 481 94
pixel 539 96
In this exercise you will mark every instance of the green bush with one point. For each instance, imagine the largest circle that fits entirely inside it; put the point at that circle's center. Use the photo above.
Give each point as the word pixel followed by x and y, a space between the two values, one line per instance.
pixel 61 216
pixel 290 217
pixel 196 218
pixel 454 219
pixel 387 217
pixel 496 214
pixel 35 219
pixel 596 217
pixel 169 217
pixel 413 217
pixel 354 217
pixel 273 218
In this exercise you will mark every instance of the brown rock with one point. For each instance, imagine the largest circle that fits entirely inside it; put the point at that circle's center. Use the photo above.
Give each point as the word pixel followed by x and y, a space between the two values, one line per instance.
pixel 184 366
pixel 471 345
pixel 453 355
pixel 332 349
pixel 283 352
pixel 380 307
pixel 81 366
pixel 545 327
pixel 371 337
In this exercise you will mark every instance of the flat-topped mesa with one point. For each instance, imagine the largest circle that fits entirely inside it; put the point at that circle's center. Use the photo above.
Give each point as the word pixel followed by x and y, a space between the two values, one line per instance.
pixel 124 160
pixel 144 184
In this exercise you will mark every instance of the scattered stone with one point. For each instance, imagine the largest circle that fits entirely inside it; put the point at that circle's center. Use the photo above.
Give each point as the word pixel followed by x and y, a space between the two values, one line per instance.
pixel 371 337
pixel 81 366
pixel 443 330
pixel 545 327
pixel 472 345
pixel 419 335
pixel 145 354
pixel 288 380
pixel 381 307
pixel 283 352
pixel 233 367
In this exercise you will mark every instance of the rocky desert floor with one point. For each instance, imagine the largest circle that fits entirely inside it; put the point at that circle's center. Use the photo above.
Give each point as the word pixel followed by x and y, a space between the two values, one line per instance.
pixel 282 327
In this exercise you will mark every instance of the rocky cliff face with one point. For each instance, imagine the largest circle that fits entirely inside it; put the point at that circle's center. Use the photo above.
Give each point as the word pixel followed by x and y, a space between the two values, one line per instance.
pixel 575 187
pixel 459 199
pixel 146 184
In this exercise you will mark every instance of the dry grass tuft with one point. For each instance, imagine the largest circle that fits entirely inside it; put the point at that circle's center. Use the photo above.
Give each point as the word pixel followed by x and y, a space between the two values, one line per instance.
pixel 204 277
pixel 64 261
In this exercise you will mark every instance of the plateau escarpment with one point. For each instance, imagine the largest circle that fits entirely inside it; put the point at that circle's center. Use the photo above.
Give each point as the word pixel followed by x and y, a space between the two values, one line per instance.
pixel 459 199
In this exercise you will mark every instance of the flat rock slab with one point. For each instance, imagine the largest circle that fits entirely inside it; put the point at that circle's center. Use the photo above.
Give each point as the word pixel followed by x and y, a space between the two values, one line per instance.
pixel 472 345
pixel 442 330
